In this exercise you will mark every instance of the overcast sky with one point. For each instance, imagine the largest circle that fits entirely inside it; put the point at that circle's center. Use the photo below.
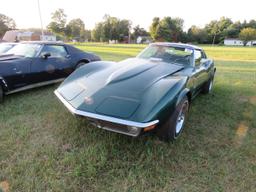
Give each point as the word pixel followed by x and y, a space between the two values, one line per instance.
pixel 198 12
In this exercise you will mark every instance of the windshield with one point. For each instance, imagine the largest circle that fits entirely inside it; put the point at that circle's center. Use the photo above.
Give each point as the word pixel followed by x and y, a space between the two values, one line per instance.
pixel 26 50
pixel 174 55
pixel 5 47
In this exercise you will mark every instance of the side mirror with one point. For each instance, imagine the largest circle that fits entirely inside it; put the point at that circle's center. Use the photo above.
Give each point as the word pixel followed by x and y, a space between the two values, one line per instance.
pixel 203 60
pixel 45 55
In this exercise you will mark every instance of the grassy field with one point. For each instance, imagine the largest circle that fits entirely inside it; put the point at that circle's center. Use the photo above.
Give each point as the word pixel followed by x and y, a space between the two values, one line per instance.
pixel 44 148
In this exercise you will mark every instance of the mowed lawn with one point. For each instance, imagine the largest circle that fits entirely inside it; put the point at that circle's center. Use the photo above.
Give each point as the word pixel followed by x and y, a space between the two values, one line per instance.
pixel 44 148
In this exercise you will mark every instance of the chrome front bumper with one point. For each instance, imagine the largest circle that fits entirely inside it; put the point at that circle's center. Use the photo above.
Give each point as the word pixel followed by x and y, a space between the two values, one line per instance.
pixel 103 121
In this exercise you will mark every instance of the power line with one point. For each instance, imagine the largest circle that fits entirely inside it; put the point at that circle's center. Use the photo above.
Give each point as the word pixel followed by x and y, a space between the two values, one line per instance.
pixel 41 21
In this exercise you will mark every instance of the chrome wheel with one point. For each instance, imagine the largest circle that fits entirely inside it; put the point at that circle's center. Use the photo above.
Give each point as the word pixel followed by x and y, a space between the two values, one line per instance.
pixel 181 118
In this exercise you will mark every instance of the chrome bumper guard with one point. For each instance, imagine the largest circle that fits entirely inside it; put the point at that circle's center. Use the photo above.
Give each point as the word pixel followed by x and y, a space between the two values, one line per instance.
pixel 113 124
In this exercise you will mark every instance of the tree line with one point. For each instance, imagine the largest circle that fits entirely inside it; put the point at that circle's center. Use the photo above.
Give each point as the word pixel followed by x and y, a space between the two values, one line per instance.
pixel 165 29
pixel 171 29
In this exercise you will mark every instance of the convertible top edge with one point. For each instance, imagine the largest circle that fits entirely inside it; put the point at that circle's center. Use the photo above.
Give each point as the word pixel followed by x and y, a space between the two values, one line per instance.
pixel 103 117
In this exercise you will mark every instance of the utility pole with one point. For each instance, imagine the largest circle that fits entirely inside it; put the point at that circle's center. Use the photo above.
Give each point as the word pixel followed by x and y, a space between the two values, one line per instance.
pixel 41 21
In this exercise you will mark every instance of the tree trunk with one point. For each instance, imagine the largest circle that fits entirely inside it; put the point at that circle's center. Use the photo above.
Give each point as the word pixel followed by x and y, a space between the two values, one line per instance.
pixel 213 41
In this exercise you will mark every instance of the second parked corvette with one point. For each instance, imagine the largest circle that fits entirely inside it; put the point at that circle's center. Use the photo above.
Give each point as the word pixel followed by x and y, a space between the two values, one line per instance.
pixel 33 64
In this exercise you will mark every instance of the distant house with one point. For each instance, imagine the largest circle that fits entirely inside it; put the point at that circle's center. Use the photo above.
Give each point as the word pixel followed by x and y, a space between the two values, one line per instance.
pixel 15 35
pixel 238 42
pixel 143 40
pixel 47 37
pixel 28 36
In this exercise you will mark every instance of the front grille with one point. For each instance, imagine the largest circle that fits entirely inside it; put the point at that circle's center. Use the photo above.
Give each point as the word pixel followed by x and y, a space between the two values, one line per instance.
pixel 115 127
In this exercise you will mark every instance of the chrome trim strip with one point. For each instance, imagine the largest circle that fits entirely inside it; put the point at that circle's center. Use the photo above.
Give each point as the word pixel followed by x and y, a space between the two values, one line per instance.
pixel 117 130
pixel 35 85
pixel 103 117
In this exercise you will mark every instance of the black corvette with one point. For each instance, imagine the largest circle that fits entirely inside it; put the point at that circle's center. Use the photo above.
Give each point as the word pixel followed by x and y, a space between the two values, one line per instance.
pixel 34 64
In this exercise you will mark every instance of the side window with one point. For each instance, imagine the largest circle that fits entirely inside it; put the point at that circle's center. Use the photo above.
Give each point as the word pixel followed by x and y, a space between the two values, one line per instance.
pixel 204 55
pixel 198 57
pixel 55 50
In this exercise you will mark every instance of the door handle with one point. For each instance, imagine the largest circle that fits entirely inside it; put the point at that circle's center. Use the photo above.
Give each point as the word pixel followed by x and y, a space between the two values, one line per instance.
pixel 18 72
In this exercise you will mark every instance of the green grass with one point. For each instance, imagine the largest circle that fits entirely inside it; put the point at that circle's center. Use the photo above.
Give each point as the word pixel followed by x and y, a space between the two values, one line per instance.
pixel 44 148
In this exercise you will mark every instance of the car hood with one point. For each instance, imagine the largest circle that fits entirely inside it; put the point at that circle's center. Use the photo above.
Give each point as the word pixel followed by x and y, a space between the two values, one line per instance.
pixel 118 89
pixel 7 57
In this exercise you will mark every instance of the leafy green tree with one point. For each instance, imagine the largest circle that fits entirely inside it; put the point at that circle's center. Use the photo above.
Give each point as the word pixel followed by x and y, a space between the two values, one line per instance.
pixel 154 28
pixel 75 29
pixel 111 28
pixel 233 30
pixel 198 35
pixel 87 35
pixel 216 29
pixel 139 31
pixel 247 34
pixel 123 29
pixel 6 23
pixel 58 23
pixel 251 24
pixel 167 29
pixel 97 33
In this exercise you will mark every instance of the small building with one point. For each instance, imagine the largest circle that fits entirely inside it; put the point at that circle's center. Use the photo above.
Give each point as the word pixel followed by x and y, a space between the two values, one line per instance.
pixel 28 36
pixel 47 37
pixel 143 40
pixel 238 42
pixel 15 35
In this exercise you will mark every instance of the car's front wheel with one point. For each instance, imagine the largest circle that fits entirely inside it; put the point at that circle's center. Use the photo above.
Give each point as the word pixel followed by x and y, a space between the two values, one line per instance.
pixel 1 94
pixel 174 125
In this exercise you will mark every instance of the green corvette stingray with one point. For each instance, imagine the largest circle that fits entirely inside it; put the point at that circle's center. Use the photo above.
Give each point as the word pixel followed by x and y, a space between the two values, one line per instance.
pixel 151 92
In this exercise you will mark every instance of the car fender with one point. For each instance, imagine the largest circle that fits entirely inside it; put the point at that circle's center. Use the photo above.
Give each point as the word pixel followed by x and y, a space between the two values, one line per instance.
pixel 212 69
pixel 182 94
pixel 169 101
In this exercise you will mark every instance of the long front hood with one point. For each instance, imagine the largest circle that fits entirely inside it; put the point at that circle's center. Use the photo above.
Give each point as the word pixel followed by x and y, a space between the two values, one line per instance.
pixel 118 89
pixel 9 57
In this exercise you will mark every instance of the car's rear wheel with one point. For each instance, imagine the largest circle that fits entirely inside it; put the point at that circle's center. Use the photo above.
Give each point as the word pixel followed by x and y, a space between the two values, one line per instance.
pixel 207 88
pixel 172 128
pixel 1 94
pixel 80 64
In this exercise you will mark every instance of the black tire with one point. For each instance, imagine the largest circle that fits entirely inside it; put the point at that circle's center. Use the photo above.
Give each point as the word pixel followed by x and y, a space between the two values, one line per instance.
pixel 1 94
pixel 207 88
pixel 80 64
pixel 170 130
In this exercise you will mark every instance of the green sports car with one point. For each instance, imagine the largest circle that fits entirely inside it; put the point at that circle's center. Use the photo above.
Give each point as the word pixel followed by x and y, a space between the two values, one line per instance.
pixel 151 92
